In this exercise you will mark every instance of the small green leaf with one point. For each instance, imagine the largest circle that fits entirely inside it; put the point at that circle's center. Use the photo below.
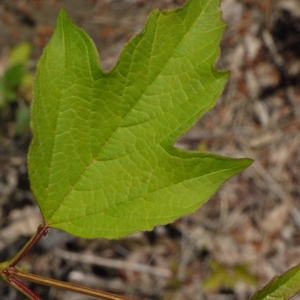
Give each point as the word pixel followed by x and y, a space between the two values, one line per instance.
pixel 22 120
pixel 20 54
pixel 102 161
pixel 281 287
pixel 217 279
pixel 13 76
pixel 227 277
pixel 27 80
pixel 6 94
pixel 243 274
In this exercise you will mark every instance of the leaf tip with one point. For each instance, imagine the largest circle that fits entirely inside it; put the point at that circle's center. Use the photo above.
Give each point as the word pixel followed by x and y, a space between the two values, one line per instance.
pixel 62 14
pixel 247 162
pixel 62 17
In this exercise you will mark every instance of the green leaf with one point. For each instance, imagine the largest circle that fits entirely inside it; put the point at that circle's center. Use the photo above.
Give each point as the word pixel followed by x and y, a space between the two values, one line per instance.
pixel 281 287
pixel 217 279
pixel 20 54
pixel 102 161
pixel 227 277
pixel 13 76
pixel 22 120
pixel 2 94
pixel 6 94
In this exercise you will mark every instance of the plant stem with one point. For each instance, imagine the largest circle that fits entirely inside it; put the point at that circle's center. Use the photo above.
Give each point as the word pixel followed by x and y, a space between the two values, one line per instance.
pixel 41 231
pixel 63 285
pixel 23 289
pixel 9 273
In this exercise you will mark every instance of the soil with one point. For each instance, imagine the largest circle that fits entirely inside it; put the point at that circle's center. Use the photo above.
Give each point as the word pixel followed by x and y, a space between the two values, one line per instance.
pixel 251 224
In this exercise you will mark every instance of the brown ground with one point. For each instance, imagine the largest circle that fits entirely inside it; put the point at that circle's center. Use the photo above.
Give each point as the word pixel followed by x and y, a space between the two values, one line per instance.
pixel 250 227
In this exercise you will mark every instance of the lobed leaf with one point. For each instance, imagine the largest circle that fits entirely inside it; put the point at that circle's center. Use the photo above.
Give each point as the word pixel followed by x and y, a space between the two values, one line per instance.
pixel 102 161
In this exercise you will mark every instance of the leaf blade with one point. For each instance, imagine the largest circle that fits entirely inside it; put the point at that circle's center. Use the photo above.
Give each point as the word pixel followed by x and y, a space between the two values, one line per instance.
pixel 102 163
pixel 281 287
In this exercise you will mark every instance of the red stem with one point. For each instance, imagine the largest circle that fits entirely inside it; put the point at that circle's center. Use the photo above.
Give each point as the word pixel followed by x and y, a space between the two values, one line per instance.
pixel 8 272
pixel 63 285
pixel 23 289
pixel 41 231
